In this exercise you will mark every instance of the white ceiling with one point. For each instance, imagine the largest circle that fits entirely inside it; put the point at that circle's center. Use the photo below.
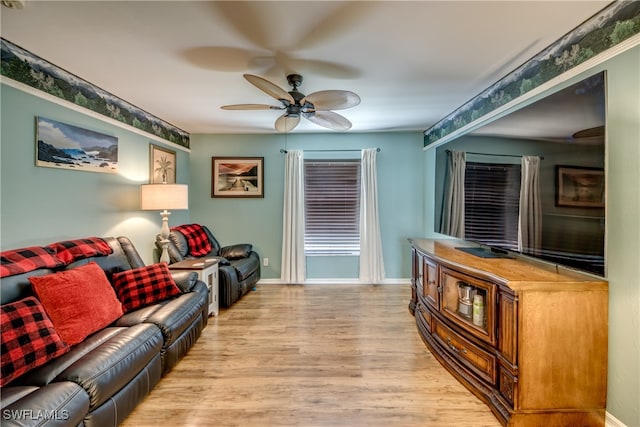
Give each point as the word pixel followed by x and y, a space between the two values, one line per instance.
pixel 411 62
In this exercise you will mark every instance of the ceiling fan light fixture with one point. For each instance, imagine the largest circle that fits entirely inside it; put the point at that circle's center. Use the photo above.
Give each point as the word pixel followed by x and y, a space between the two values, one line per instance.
pixel 293 111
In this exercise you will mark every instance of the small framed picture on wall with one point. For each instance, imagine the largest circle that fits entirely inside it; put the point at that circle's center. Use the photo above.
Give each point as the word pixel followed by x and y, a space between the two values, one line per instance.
pixel 162 165
pixel 579 187
pixel 237 177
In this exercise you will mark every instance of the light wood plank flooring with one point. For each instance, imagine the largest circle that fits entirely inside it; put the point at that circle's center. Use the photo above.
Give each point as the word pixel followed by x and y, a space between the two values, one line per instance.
pixel 314 355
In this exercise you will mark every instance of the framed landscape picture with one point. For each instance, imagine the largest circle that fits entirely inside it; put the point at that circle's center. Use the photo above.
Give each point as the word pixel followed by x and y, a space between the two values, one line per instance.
pixel 580 187
pixel 237 177
pixel 162 165
pixel 64 146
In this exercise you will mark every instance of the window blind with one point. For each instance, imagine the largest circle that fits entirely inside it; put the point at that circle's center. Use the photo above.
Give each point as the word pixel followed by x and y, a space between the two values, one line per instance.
pixel 332 207
pixel 492 203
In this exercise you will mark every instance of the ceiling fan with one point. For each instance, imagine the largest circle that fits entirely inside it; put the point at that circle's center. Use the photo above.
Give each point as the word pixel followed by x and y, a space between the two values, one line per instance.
pixel 314 107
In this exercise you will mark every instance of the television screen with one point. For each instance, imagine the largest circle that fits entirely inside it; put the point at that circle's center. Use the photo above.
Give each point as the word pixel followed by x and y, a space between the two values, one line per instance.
pixel 533 181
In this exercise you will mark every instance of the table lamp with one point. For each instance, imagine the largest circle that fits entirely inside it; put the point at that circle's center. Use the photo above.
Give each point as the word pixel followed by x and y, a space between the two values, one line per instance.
pixel 156 197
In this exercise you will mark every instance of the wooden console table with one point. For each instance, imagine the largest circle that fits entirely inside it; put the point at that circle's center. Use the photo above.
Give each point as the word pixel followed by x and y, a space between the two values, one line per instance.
pixel 207 270
pixel 527 338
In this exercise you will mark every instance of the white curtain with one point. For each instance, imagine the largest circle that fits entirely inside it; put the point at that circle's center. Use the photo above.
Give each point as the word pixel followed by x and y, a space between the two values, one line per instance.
pixel 530 217
pixel 371 260
pixel 293 259
pixel 452 222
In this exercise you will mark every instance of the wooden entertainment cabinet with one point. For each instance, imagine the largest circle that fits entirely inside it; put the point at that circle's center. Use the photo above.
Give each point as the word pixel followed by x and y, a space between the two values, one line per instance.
pixel 533 344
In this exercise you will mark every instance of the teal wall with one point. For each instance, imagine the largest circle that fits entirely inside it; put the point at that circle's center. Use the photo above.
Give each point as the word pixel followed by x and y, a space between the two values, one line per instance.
pixel 623 235
pixel 622 160
pixel 259 221
pixel 42 205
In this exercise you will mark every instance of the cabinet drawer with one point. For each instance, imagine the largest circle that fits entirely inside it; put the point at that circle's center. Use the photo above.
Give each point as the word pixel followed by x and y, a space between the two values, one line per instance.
pixel 478 360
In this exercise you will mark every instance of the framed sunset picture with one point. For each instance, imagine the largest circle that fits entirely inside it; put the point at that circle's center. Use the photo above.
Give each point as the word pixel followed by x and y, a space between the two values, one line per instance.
pixel 237 177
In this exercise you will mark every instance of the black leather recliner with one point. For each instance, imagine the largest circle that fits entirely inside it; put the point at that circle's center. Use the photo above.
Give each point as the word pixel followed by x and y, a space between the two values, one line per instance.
pixel 238 264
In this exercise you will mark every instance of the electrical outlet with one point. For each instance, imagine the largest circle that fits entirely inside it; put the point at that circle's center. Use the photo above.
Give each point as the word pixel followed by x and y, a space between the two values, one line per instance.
pixel 265 262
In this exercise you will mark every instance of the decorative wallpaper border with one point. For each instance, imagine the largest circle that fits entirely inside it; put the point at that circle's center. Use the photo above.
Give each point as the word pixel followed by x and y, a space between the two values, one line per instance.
pixel 612 25
pixel 21 65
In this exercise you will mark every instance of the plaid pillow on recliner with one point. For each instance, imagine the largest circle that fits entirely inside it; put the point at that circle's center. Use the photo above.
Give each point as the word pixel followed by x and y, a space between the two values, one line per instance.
pixel 144 286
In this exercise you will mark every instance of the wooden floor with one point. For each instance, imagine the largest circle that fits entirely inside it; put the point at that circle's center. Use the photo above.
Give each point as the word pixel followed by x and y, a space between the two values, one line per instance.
pixel 314 355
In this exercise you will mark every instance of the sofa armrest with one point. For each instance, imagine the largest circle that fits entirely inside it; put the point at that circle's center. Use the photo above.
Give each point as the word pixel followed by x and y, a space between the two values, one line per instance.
pixel 185 280
pixel 236 251
pixel 200 287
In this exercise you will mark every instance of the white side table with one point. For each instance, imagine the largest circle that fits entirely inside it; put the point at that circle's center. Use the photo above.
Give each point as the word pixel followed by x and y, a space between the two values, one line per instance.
pixel 207 270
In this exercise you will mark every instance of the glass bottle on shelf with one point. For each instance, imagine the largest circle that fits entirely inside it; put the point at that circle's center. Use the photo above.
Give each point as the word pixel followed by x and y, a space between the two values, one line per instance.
pixel 466 294
pixel 478 310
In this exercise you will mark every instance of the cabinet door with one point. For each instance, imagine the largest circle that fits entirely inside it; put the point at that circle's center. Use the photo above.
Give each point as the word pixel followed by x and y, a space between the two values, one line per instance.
pixel 431 287
pixel 470 303
pixel 508 327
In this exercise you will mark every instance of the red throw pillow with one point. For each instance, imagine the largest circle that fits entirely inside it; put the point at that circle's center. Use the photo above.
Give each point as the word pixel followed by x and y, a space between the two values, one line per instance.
pixel 79 301
pixel 28 338
pixel 144 286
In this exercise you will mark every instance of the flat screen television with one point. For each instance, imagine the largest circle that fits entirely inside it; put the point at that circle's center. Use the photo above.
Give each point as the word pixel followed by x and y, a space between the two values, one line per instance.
pixel 565 130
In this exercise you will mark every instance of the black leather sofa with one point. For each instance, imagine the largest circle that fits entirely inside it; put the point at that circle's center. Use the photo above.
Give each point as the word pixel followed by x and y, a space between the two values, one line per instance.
pixel 99 381
pixel 238 264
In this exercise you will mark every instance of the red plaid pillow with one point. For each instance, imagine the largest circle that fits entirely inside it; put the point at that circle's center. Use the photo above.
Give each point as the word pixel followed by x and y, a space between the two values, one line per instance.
pixel 28 338
pixel 73 250
pixel 144 286
pixel 199 244
pixel 23 260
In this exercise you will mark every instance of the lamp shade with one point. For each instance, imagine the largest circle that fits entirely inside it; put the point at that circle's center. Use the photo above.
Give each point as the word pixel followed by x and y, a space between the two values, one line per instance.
pixel 156 197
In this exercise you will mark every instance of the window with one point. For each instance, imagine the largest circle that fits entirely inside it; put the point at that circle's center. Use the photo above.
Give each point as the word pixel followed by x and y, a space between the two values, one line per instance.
pixel 332 207
pixel 492 203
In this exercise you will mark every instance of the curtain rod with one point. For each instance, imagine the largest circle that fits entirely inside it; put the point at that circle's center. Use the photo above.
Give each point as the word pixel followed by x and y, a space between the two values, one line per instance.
pixel 497 155
pixel 282 150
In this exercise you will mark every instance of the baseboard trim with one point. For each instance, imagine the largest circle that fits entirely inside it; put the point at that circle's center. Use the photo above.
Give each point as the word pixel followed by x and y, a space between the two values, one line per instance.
pixel 398 281
pixel 611 421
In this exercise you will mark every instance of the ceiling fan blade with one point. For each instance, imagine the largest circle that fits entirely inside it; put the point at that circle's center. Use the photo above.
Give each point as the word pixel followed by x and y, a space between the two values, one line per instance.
pixel 250 107
pixel 332 99
pixel 590 133
pixel 269 88
pixel 329 120
pixel 285 123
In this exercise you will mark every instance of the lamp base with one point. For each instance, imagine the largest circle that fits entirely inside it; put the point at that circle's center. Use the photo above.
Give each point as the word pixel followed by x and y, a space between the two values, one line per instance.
pixel 164 233
pixel 164 257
